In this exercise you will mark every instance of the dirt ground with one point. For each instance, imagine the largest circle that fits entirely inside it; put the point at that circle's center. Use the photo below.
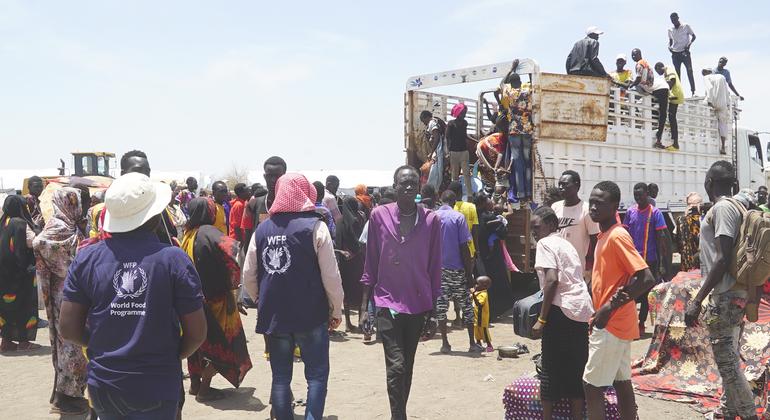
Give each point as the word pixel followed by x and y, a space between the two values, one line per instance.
pixel 445 386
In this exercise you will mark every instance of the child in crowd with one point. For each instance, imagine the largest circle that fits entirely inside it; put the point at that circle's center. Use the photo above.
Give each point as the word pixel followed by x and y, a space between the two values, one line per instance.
pixel 481 312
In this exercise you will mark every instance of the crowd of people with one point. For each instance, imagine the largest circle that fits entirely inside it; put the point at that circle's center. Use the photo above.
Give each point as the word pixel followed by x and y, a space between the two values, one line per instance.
pixel 587 323
pixel 144 274
pixel 504 154
pixel 666 89
pixel 111 263
pixel 397 258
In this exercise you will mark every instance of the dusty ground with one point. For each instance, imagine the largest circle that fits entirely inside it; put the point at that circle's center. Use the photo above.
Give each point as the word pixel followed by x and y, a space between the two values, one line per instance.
pixel 445 386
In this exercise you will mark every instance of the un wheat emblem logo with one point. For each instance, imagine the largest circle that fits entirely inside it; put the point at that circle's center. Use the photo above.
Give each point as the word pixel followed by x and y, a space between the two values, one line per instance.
pixel 125 283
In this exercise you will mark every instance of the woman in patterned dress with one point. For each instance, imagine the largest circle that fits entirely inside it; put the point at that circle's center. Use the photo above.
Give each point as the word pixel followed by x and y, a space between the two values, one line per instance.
pixel 54 251
pixel 688 233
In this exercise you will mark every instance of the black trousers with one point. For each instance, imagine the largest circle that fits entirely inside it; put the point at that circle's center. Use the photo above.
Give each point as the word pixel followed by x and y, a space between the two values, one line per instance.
pixel 672 108
pixel 400 336
pixel 679 58
pixel 661 96
pixel 643 299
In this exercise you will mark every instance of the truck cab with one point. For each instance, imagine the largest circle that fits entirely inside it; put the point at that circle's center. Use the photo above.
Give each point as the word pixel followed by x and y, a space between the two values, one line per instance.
pixel 751 165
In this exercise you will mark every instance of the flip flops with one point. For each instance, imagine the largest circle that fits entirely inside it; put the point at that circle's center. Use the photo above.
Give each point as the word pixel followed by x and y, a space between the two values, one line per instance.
pixel 212 394
pixel 28 347
pixel 68 408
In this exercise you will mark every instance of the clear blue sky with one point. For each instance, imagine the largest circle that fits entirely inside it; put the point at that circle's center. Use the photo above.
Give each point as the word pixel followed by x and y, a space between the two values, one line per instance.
pixel 203 85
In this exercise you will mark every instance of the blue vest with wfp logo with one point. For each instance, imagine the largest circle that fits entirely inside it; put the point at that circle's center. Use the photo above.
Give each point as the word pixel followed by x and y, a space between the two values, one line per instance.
pixel 291 295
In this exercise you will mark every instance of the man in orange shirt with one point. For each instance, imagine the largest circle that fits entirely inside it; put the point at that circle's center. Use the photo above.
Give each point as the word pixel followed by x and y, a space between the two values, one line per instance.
pixel 237 205
pixel 620 275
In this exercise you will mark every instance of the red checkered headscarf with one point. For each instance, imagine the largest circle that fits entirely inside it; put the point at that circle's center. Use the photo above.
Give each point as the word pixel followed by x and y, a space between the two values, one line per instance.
pixel 293 194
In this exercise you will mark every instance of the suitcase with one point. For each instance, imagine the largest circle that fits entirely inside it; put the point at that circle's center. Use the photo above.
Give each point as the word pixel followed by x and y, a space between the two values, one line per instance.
pixel 525 313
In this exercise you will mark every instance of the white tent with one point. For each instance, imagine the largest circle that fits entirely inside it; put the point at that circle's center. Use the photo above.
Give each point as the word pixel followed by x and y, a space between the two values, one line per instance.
pixel 349 178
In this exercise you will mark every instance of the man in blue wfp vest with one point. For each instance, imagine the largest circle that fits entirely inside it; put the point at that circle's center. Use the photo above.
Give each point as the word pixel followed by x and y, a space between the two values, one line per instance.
pixel 290 266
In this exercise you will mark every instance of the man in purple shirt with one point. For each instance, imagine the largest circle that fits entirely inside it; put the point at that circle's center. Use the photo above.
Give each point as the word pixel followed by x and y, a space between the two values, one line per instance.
pixel 403 273
pixel 456 269
pixel 649 231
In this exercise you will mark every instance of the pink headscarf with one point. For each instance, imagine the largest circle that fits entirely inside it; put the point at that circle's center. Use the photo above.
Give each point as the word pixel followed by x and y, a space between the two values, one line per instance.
pixel 458 109
pixel 293 194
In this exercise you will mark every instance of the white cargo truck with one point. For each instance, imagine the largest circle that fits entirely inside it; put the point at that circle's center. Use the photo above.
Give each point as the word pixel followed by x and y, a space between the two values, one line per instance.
pixel 588 125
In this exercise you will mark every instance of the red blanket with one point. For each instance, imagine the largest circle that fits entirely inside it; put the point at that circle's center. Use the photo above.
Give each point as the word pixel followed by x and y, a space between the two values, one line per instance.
pixel 679 364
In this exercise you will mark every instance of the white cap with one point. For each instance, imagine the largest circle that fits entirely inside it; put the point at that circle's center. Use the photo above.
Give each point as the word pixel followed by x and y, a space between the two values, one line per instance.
pixel 621 56
pixel 132 200
pixel 594 30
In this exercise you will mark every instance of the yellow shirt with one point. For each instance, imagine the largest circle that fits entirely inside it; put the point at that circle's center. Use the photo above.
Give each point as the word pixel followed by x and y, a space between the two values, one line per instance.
pixel 471 218
pixel 622 77
pixel 676 93
pixel 219 220
pixel 482 297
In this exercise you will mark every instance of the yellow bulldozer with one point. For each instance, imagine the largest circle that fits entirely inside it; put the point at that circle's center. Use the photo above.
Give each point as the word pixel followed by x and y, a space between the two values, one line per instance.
pixel 92 169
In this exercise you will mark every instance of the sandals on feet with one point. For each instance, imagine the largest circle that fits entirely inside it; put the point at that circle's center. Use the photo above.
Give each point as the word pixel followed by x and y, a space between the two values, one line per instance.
pixel 68 408
pixel 9 348
pixel 28 347
pixel 212 394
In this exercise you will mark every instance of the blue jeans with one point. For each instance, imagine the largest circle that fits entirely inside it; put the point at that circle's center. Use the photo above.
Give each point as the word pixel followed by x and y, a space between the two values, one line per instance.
pixel 519 150
pixel 111 405
pixel 314 346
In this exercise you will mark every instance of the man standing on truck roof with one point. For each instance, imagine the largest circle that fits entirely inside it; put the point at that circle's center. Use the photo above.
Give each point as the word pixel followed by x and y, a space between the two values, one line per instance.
pixel 726 307
pixel 583 60
pixel 720 69
pixel 680 38
pixel 457 137
pixel 718 97
pixel 648 229
pixel 675 98
pixel 575 224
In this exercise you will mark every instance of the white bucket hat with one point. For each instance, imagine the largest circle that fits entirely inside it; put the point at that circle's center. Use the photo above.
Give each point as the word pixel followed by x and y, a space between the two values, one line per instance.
pixel 132 200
